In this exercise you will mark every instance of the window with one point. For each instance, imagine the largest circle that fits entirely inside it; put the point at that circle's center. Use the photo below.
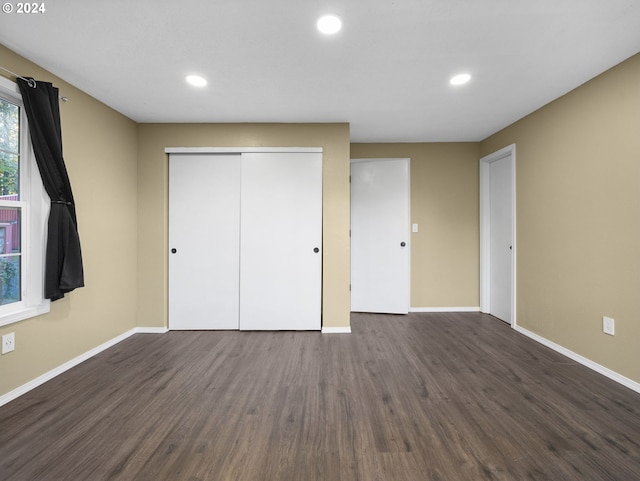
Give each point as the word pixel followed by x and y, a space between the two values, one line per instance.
pixel 23 212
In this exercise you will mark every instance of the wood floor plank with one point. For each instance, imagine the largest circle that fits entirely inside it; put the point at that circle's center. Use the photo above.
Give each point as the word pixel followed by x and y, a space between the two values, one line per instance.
pixel 439 397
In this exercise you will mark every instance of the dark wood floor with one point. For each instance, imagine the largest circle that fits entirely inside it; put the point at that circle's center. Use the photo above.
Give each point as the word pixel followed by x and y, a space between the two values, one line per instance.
pixel 420 397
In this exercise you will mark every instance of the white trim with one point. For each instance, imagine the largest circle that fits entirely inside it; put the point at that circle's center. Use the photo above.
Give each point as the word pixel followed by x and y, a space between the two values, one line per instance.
pixel 9 85
pixel 336 330
pixel 25 313
pixel 34 206
pixel 47 376
pixel 151 330
pixel 377 159
pixel 445 309
pixel 619 378
pixel 239 150
pixel 508 151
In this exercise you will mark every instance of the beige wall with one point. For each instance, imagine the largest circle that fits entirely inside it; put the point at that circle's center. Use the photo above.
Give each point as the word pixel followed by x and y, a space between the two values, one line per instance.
pixel 578 218
pixel 444 204
pixel 100 149
pixel 153 203
pixel 578 207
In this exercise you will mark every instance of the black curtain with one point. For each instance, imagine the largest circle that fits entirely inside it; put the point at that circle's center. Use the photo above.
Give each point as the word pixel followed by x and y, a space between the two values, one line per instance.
pixel 63 265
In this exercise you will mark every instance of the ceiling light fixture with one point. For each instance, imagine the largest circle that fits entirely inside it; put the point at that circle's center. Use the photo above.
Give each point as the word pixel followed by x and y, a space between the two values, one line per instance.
pixel 460 79
pixel 329 24
pixel 196 80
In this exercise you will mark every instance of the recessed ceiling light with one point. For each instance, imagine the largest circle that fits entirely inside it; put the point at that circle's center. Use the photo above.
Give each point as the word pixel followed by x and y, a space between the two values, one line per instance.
pixel 460 79
pixel 329 24
pixel 196 80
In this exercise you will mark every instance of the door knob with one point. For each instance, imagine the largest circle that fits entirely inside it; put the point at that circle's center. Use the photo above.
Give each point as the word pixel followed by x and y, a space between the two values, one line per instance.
pixel 316 250
pixel 402 244
pixel 173 251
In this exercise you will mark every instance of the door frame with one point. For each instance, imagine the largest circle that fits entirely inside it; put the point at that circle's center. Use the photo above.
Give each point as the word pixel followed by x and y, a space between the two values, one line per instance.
pixel 508 152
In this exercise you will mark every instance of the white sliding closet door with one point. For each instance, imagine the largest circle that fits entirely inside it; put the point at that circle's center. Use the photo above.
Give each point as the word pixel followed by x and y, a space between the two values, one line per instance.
pixel 281 241
pixel 204 241
pixel 245 240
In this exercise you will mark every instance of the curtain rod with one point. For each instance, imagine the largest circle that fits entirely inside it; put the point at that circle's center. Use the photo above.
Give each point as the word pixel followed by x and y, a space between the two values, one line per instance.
pixel 30 81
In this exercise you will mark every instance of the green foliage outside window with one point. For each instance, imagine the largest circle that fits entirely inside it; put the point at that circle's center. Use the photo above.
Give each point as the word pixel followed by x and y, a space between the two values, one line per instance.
pixel 9 186
pixel 9 147
pixel 9 280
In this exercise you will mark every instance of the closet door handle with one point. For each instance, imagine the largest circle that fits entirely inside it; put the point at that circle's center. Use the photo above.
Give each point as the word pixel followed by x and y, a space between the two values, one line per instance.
pixel 174 250
pixel 316 250
pixel 402 244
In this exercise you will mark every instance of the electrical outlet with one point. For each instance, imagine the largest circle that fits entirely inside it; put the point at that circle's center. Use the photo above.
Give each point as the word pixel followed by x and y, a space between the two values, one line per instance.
pixel 608 326
pixel 8 342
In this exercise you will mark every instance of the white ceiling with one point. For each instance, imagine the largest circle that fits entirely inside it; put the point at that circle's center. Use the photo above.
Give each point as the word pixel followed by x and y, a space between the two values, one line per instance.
pixel 386 72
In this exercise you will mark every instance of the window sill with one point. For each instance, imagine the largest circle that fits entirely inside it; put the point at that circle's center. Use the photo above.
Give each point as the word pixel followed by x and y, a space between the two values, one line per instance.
pixel 25 313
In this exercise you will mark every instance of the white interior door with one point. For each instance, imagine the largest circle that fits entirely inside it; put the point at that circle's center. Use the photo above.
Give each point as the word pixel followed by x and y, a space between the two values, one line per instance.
pixel 204 243
pixel 380 236
pixel 281 241
pixel 498 234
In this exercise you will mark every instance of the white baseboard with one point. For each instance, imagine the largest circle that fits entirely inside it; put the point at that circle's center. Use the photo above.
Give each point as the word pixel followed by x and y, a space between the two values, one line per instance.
pixel 151 330
pixel 619 378
pixel 19 391
pixel 444 309
pixel 336 330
